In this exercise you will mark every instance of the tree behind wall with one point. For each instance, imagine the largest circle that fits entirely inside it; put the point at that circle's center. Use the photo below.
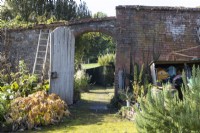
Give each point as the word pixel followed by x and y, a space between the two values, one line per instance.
pixel 91 45
pixel 61 9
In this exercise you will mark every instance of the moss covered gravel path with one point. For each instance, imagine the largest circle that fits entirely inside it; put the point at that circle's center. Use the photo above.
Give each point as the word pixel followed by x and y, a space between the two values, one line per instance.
pixel 91 115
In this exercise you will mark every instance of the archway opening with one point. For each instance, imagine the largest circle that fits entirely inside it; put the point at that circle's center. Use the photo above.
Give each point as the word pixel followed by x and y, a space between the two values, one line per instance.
pixel 94 65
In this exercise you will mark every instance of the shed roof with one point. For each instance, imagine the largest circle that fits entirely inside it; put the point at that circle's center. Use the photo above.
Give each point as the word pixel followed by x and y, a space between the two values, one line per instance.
pixel 175 62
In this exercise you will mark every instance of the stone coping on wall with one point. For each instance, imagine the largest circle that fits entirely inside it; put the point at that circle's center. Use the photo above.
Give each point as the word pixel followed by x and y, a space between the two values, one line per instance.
pixel 66 23
pixel 157 8
pixel 90 20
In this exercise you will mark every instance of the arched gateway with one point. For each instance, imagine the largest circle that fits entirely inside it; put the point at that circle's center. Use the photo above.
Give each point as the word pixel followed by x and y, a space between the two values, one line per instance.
pixel 62 45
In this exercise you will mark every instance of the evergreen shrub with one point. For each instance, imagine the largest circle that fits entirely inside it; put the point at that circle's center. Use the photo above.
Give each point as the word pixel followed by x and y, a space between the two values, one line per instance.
pixel 164 112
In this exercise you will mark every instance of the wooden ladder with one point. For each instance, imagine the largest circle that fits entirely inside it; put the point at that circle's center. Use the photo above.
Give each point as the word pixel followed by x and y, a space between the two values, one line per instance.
pixel 41 54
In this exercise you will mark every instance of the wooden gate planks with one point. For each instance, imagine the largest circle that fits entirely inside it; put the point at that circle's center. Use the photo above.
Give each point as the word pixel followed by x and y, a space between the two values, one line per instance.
pixel 62 43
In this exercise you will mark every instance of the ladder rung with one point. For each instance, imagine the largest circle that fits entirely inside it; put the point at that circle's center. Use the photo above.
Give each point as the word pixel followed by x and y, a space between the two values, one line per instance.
pixel 39 64
pixel 38 74
pixel 45 33
pixel 43 45
pixel 41 51
pixel 37 71
pixel 43 39
pixel 40 58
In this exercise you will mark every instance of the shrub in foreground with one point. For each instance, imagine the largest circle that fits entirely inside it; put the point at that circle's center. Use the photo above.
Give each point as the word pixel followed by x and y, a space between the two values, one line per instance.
pixel 35 110
pixel 164 112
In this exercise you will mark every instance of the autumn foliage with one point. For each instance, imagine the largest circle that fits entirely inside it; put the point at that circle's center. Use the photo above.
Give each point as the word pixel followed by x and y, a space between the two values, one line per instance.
pixel 35 110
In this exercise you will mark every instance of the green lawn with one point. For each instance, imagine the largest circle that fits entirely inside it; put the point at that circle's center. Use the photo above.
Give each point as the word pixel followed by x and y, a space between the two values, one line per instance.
pixel 90 66
pixel 85 120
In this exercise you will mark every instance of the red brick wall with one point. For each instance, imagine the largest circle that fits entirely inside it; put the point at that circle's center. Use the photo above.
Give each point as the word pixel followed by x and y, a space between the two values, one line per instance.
pixel 142 30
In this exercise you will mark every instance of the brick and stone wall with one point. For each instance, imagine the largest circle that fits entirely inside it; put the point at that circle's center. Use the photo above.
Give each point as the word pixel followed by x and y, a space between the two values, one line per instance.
pixel 144 33
pixel 21 46
pixel 22 43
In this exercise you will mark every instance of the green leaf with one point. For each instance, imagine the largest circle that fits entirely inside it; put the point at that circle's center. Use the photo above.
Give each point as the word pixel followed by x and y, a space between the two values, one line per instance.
pixel 14 86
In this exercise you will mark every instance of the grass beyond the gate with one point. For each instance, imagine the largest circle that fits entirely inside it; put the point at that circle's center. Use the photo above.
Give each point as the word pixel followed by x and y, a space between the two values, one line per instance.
pixel 90 66
pixel 85 120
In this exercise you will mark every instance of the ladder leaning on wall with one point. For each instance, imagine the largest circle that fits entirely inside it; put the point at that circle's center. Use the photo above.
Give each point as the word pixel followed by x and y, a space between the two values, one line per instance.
pixel 41 54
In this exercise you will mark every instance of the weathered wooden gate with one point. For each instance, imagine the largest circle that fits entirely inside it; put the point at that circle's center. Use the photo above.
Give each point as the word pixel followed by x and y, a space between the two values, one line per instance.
pixel 62 45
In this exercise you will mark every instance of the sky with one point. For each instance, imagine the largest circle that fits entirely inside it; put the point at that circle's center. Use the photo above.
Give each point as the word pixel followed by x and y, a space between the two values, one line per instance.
pixel 108 6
